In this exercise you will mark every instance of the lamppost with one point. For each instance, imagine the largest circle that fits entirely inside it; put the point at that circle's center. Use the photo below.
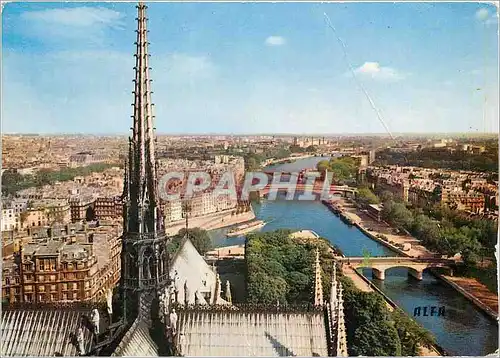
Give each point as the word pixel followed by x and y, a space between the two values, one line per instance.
pixel 186 208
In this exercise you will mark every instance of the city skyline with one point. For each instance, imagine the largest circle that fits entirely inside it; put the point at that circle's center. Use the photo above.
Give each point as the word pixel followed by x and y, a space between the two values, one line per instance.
pixel 68 69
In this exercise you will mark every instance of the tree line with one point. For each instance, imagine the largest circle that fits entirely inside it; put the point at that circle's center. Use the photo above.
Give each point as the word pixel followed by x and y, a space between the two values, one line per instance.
pixel 343 169
pixel 442 158
pixel 280 269
pixel 448 232
pixel 12 181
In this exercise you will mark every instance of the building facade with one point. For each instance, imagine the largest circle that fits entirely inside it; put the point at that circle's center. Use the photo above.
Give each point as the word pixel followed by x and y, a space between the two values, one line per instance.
pixel 68 268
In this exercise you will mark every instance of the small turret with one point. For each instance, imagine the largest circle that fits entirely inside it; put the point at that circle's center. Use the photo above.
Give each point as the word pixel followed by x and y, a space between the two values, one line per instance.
pixel 341 332
pixel 333 287
pixel 318 284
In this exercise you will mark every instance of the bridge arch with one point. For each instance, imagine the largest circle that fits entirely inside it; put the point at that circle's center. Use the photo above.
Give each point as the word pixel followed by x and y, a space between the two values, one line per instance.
pixel 379 265
pixel 379 272
pixel 415 272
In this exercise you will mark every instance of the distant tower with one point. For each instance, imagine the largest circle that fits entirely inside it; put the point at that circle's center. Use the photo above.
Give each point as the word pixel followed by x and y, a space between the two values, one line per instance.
pixel 144 256
pixel 318 285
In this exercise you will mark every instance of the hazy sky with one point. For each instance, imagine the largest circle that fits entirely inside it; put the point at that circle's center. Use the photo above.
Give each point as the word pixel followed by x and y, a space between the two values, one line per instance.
pixel 253 67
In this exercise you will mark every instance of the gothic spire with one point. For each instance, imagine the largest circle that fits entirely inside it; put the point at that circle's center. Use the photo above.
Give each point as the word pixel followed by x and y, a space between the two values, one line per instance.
pixel 333 287
pixel 143 213
pixel 341 331
pixel 318 284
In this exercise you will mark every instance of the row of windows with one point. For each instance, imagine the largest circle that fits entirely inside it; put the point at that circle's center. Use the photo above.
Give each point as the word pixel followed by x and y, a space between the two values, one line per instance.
pixel 53 278
pixel 53 297
pixel 51 267
pixel 8 280
pixel 64 286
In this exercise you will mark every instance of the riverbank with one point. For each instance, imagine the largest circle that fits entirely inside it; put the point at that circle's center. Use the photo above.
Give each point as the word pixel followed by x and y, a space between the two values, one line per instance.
pixel 470 288
pixel 283 160
pixel 365 285
pixel 212 221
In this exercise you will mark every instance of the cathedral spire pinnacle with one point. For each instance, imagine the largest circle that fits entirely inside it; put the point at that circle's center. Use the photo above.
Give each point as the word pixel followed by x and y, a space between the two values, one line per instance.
pixel 333 287
pixel 144 254
pixel 318 284
pixel 341 330
pixel 143 214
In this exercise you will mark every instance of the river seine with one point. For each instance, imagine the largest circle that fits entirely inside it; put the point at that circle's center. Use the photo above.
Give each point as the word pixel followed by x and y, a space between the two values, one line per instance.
pixel 464 330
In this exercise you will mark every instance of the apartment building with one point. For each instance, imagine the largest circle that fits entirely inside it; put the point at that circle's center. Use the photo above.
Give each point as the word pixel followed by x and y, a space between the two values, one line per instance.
pixel 172 211
pixel 398 186
pixel 45 212
pixel 10 221
pixel 108 208
pixel 79 206
pixel 470 201
pixel 64 269
pixel 422 192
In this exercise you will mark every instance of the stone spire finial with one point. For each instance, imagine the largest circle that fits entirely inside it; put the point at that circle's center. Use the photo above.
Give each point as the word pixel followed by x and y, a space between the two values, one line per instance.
pixel 228 292
pixel 142 192
pixel 341 331
pixel 333 287
pixel 219 286
pixel 186 293
pixel 318 284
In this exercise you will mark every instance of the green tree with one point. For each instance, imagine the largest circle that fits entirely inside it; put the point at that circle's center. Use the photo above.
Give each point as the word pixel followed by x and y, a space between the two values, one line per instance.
pixel 199 238
pixel 386 196
pixel 376 339
pixel 398 215
pixel 323 165
pixel 411 334
pixel 343 168
pixel 365 196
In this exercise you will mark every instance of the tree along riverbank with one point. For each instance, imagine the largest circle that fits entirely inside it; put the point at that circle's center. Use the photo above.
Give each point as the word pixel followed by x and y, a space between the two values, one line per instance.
pixel 469 287
pixel 279 268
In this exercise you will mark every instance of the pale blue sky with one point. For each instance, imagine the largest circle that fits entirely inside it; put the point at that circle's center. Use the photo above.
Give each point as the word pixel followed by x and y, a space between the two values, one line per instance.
pixel 253 67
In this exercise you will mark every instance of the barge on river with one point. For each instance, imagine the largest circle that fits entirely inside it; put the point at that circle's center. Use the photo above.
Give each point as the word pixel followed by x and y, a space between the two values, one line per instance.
pixel 246 228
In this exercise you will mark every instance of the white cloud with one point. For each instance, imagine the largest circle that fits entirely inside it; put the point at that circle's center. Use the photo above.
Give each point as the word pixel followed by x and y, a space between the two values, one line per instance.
pixel 76 17
pixel 92 90
pixel 377 72
pixel 185 65
pixel 79 27
pixel 275 41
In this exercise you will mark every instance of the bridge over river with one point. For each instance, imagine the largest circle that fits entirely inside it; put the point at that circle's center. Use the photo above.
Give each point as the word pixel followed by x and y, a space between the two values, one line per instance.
pixel 317 188
pixel 379 265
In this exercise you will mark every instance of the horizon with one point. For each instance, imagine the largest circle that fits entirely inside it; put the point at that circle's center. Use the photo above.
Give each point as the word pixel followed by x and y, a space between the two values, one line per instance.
pixel 250 69
pixel 315 135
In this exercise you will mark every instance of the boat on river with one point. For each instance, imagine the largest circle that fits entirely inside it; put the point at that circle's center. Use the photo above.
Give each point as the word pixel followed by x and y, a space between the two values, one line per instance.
pixel 246 228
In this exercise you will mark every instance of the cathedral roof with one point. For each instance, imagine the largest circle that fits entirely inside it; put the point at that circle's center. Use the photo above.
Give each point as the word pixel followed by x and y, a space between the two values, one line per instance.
pixel 193 269
pixel 137 342
pixel 251 333
pixel 44 331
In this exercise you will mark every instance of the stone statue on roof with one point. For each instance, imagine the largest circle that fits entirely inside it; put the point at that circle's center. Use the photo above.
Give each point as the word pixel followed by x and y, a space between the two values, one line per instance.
pixel 109 301
pixel 182 342
pixel 173 321
pixel 80 341
pixel 94 318
pixel 187 293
